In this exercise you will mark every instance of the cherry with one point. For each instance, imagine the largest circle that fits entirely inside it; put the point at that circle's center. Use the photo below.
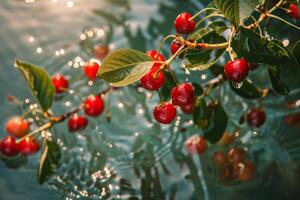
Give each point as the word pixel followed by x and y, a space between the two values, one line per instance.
pixel 256 117
pixel 227 173
pixel 175 45
pixel 101 51
pixel 220 159
pixel 164 113
pixel 93 106
pixel 60 83
pixel 244 170
pixel 294 11
pixel 196 144
pixel 183 94
pixel 237 70
pixel 150 82
pixel 184 24
pixel 9 147
pixel 156 57
pixel 77 123
pixel 188 109
pixel 91 69
pixel 29 146
pixel 236 155
pixel 17 126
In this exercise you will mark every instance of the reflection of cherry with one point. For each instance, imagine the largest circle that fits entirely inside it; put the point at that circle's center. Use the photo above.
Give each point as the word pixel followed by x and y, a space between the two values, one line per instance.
pixel 256 117
pixel 220 159
pixel 101 51
pixel 244 170
pixel 9 147
pixel 196 144
pixel 184 24
pixel 17 126
pixel 164 113
pixel 29 146
pixel 236 155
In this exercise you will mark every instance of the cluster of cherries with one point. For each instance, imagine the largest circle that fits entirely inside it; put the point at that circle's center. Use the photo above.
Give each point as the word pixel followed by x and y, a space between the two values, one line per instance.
pixel 17 127
pixel 93 105
pixel 233 165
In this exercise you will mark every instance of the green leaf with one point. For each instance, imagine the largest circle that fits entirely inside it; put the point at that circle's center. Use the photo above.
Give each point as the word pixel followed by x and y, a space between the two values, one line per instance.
pixel 236 10
pixel 277 83
pixel 248 90
pixel 14 162
pixel 201 113
pixel 202 59
pixel 296 51
pixel 48 161
pixel 39 83
pixel 165 90
pixel 217 124
pixel 198 90
pixel 125 66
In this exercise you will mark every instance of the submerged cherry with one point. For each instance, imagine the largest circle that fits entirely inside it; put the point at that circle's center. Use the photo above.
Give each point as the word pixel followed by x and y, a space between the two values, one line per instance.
pixel 256 117
pixel 29 146
pixel 9 147
pixel 93 106
pixel 17 126
pixel 77 123
pixel 196 144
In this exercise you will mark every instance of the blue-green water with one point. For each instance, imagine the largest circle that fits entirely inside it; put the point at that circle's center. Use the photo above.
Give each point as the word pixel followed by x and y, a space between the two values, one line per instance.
pixel 132 157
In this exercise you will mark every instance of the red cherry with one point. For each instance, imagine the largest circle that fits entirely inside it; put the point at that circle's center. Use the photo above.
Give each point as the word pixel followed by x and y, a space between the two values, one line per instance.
pixel 188 109
pixel 196 144
pixel 156 57
pixel 9 147
pixel 256 117
pixel 150 82
pixel 183 94
pixel 244 170
pixel 164 113
pixel 220 159
pixel 237 70
pixel 183 23
pixel 294 11
pixel 60 83
pixel 91 69
pixel 77 123
pixel 29 146
pixel 17 126
pixel 175 45
pixel 236 155
pixel 93 106
pixel 227 173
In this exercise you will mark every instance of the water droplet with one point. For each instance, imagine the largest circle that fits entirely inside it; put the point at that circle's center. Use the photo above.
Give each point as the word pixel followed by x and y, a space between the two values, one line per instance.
pixel 237 85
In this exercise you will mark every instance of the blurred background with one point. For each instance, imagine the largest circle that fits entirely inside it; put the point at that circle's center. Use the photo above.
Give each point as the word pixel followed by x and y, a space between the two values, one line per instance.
pixel 131 157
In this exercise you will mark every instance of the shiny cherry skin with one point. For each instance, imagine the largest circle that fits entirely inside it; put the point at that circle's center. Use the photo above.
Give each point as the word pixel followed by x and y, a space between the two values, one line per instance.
pixel 17 126
pixel 244 170
pixel 188 109
pixel 237 70
pixel 184 24
pixel 256 117
pixel 60 83
pixel 220 159
pixel 93 106
pixel 9 147
pixel 183 94
pixel 164 113
pixel 91 69
pixel 77 123
pixel 196 144
pixel 29 146
pixel 153 80
pixel 236 155
pixel 175 45
pixel 294 11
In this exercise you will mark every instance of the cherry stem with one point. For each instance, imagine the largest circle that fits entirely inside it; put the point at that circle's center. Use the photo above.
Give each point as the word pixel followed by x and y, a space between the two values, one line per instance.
pixel 207 17
pixel 201 11
pixel 38 130
pixel 280 19
pixel 163 41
